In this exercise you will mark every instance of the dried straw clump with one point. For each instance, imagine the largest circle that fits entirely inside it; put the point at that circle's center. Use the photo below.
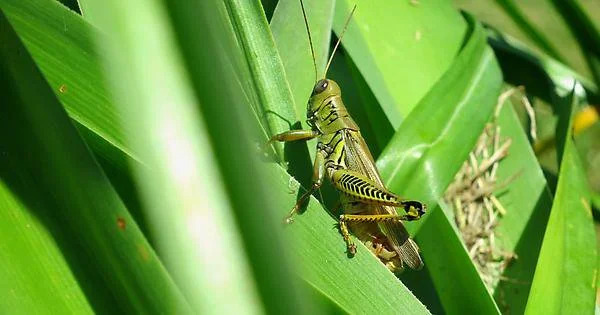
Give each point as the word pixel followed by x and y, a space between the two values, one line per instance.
pixel 476 208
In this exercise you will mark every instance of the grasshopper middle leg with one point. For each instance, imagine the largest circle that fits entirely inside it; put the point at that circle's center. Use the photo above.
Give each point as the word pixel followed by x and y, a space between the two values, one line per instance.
pixel 297 135
pixel 317 181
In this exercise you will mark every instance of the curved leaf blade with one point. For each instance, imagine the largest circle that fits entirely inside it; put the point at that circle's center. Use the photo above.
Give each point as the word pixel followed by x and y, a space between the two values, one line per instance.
pixel 566 273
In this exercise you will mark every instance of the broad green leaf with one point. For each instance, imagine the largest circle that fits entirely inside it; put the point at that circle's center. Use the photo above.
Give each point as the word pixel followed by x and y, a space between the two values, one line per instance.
pixel 566 273
pixel 429 148
pixel 71 206
pixel 417 160
pixel 401 47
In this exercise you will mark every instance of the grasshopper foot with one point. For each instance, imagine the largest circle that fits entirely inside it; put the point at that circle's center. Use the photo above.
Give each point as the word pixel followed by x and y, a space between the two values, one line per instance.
pixel 288 219
pixel 351 250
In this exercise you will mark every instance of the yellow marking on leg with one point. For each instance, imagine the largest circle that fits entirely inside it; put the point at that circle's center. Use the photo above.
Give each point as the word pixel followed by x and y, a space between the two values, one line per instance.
pixel 375 218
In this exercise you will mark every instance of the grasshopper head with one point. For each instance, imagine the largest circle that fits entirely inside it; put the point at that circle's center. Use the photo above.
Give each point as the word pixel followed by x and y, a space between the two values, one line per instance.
pixel 323 89
pixel 325 99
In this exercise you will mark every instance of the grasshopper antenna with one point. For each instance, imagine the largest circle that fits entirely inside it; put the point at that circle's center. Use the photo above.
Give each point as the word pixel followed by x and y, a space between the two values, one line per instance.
pixel 312 50
pixel 339 39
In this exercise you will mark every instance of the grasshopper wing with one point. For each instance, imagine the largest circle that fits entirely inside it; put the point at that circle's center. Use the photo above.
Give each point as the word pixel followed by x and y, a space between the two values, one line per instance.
pixel 359 159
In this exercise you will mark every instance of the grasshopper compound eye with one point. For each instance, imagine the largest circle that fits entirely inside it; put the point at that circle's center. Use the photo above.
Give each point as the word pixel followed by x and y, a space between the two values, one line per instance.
pixel 320 87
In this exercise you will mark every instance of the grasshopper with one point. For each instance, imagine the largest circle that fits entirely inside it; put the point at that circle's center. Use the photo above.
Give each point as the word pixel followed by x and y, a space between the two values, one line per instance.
pixel 368 207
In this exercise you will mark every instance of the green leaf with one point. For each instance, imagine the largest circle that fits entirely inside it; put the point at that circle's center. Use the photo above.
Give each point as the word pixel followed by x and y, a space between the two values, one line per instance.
pixel 70 205
pixel 400 48
pixel 32 289
pixel 565 275
pixel 60 43
pixel 429 147
pixel 418 158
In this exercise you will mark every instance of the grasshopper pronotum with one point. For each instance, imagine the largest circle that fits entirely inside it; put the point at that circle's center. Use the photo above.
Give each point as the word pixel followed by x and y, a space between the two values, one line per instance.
pixel 343 156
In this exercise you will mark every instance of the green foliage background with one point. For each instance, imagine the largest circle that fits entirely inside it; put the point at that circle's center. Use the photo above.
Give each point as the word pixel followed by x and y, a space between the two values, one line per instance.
pixel 133 177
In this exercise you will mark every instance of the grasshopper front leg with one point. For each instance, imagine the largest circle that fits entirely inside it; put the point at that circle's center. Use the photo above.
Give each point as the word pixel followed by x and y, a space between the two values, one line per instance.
pixel 294 135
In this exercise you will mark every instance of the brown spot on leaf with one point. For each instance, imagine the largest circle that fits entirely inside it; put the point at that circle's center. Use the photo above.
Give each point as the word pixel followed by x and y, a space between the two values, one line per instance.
pixel 62 89
pixel 121 223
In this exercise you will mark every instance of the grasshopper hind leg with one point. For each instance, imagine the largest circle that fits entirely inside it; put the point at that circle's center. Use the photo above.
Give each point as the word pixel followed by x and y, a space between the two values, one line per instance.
pixel 408 251
pixel 351 248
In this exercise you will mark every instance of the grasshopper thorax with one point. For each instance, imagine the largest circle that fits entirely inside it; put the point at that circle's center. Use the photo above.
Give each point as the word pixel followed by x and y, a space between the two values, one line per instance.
pixel 326 112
